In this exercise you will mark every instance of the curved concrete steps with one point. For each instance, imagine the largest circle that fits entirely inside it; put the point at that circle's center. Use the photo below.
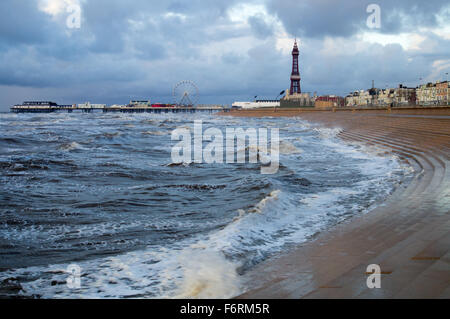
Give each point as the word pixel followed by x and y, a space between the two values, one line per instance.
pixel 408 236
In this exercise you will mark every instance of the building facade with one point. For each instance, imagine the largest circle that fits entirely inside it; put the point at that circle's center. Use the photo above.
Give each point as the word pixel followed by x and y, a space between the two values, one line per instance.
pixel 259 104
pixel 386 97
pixel 427 95
pixel 404 96
pixel 89 105
pixel 329 101
pixel 298 100
pixel 389 97
pixel 442 93
pixel 358 98
pixel 143 103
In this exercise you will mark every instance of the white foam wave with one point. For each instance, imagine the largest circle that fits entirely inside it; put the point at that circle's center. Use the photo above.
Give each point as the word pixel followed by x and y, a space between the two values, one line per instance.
pixel 157 133
pixel 206 274
pixel 327 133
pixel 260 206
pixel 287 148
pixel 71 147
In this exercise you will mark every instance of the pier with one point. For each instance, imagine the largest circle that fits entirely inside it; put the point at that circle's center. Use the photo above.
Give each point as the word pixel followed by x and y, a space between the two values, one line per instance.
pixel 37 109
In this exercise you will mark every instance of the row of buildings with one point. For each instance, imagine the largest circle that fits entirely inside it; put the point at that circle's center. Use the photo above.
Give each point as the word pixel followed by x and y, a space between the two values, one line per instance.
pixel 434 94
pixel 430 94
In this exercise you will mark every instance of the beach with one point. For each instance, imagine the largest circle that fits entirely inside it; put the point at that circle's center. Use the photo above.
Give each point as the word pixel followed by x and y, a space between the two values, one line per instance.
pixel 408 235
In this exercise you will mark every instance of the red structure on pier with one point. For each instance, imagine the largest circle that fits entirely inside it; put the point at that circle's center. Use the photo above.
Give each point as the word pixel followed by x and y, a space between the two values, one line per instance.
pixel 295 76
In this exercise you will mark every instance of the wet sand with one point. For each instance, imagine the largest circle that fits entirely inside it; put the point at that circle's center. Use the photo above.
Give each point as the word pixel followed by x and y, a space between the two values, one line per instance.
pixel 408 235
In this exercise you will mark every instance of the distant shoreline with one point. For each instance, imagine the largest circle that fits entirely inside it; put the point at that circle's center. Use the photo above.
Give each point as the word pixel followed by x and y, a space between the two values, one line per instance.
pixel 408 236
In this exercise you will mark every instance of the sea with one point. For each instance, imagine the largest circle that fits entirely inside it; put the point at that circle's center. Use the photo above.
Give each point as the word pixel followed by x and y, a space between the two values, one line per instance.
pixel 99 193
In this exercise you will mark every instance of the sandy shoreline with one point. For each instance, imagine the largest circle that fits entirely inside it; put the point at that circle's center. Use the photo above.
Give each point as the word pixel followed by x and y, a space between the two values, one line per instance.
pixel 408 236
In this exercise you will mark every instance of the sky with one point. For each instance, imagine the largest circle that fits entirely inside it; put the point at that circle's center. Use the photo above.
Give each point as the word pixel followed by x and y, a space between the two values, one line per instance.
pixel 232 50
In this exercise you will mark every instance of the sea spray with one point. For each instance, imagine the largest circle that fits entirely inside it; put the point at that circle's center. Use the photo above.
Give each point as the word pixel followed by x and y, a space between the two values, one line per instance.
pixel 327 133
pixel 262 204
pixel 207 274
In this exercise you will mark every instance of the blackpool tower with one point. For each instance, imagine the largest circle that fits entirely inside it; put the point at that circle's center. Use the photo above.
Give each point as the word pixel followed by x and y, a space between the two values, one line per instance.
pixel 295 76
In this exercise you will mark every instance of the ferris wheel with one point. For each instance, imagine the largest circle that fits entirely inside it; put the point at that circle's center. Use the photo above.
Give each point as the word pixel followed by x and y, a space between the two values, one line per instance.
pixel 185 93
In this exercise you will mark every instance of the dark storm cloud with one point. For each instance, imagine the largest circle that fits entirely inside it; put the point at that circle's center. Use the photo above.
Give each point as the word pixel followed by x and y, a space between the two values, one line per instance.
pixel 348 71
pixel 122 49
pixel 38 50
pixel 260 28
pixel 21 22
pixel 109 21
pixel 318 18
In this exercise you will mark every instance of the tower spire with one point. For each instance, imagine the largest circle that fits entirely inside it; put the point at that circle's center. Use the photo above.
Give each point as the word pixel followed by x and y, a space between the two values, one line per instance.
pixel 295 75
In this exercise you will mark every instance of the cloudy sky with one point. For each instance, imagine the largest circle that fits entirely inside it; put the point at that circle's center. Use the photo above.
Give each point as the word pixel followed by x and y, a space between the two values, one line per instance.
pixel 233 50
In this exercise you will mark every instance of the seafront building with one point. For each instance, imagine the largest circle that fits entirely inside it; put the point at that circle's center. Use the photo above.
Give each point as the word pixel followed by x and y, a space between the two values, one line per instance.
pixel 434 94
pixel 258 104
pixel 430 94
pixel 382 97
pixel 88 105
pixel 404 96
pixel 298 100
pixel 443 93
pixel 358 98
pixel 143 103
pixel 386 97
pixel 328 101
pixel 426 94
pixel 40 105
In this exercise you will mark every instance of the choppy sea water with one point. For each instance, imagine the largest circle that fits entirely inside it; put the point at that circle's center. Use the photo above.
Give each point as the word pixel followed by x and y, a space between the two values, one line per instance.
pixel 100 191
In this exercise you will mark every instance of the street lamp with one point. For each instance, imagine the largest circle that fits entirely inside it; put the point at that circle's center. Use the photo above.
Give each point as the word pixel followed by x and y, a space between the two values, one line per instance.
pixel 281 93
pixel 446 80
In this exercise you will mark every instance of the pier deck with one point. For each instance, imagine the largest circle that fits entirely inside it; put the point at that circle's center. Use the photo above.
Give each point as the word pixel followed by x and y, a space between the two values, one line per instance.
pixel 116 110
